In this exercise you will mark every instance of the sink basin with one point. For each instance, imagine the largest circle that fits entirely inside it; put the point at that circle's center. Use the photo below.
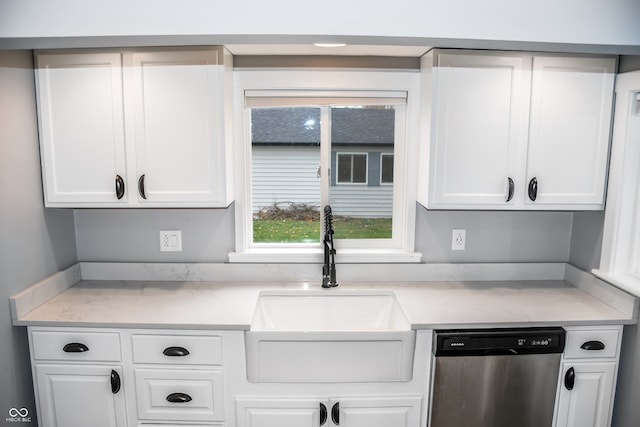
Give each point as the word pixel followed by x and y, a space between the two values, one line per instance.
pixel 332 336
pixel 319 311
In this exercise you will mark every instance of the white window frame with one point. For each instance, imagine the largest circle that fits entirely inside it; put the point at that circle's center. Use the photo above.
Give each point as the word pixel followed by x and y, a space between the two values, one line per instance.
pixel 343 84
pixel 366 170
pixel 382 155
pixel 619 263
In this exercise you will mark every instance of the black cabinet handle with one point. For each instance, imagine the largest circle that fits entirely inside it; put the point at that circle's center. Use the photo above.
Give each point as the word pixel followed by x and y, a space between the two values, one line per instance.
pixel 323 414
pixel 592 345
pixel 570 379
pixel 141 186
pixel 75 347
pixel 119 187
pixel 115 382
pixel 178 398
pixel 533 189
pixel 511 188
pixel 335 414
pixel 175 351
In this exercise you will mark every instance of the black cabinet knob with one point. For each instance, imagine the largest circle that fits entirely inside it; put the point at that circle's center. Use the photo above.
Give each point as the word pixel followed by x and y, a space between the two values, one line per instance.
pixel 179 398
pixel 533 189
pixel 323 414
pixel 592 345
pixel 570 379
pixel 119 187
pixel 510 190
pixel 141 186
pixel 75 347
pixel 175 352
pixel 115 382
pixel 335 414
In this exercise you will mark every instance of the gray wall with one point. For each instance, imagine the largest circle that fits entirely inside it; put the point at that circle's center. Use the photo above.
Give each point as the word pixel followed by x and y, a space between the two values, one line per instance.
pixel 208 235
pixel 34 242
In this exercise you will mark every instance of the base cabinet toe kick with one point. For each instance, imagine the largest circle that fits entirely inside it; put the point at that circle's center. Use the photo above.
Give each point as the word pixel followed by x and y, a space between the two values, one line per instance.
pixel 107 377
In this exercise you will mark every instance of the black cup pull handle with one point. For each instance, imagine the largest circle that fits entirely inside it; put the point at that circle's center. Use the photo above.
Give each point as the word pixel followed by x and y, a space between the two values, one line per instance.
pixel 75 347
pixel 570 379
pixel 323 414
pixel 141 186
pixel 175 352
pixel 119 187
pixel 335 414
pixel 592 345
pixel 179 398
pixel 511 188
pixel 115 382
pixel 533 189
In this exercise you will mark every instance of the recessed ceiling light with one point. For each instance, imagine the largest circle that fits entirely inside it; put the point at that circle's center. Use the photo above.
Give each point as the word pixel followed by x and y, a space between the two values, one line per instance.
pixel 329 44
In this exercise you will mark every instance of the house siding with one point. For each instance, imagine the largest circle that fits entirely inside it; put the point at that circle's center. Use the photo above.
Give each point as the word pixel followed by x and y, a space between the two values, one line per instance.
pixel 283 174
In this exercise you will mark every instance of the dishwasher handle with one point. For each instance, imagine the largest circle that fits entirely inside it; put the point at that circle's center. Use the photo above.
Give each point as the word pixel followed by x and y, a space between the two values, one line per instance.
pixel 570 379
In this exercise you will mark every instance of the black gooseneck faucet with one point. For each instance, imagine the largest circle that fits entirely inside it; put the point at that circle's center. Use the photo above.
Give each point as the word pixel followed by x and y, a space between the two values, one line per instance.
pixel 329 267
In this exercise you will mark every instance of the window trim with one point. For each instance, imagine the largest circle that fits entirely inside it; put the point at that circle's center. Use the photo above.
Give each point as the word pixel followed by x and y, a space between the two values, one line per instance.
pixel 333 83
pixel 619 262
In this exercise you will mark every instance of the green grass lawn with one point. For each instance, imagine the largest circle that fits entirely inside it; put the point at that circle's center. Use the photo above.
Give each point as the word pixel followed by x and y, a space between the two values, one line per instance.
pixel 297 231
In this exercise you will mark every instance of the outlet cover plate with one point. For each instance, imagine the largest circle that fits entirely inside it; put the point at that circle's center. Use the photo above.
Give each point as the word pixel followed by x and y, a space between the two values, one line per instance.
pixel 170 241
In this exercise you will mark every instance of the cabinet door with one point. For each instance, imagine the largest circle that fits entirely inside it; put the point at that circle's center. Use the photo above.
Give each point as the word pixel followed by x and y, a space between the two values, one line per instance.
pixel 378 412
pixel 79 396
pixel 80 107
pixel 281 412
pixel 571 102
pixel 479 126
pixel 589 403
pixel 179 143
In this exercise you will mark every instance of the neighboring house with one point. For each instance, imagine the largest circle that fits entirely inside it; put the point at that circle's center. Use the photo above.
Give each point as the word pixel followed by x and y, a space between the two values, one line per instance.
pixel 286 158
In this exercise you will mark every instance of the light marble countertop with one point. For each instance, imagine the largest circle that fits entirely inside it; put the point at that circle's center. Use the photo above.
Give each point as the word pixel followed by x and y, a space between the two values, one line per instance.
pixel 230 305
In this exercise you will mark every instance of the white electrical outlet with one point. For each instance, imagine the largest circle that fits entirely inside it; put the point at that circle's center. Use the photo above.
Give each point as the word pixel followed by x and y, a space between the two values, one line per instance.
pixel 458 239
pixel 170 241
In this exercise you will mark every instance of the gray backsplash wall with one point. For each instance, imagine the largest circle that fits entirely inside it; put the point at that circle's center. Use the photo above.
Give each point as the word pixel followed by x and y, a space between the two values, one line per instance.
pixel 35 242
pixel 586 239
pixel 208 235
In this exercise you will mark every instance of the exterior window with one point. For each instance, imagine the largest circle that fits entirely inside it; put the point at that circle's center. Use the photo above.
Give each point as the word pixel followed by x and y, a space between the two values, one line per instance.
pixel 307 138
pixel 352 168
pixel 294 147
pixel 386 168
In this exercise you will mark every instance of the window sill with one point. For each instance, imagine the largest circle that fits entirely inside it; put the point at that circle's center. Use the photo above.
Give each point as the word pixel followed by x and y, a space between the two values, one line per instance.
pixel 315 255
pixel 627 283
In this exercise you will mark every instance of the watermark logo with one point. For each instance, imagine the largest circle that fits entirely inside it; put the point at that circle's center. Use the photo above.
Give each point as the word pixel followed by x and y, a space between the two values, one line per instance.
pixel 18 415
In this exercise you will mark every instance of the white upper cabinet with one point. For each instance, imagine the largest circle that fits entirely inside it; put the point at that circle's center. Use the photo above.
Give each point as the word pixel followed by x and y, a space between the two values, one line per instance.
pixel 82 141
pixel 515 131
pixel 571 110
pixel 154 118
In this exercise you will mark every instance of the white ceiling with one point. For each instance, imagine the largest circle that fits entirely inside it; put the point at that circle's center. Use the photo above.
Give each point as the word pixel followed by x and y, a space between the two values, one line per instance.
pixel 309 49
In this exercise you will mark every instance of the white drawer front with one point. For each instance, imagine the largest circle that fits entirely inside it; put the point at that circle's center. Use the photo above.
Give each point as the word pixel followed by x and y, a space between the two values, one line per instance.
pixel 594 339
pixel 170 349
pixel 204 391
pixel 76 346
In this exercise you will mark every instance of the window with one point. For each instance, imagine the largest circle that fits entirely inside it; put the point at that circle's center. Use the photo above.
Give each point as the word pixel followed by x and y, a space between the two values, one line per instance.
pixel 386 168
pixel 352 168
pixel 304 149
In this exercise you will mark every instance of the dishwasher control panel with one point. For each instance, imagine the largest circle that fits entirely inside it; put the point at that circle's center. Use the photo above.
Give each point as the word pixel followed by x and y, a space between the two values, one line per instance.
pixel 499 341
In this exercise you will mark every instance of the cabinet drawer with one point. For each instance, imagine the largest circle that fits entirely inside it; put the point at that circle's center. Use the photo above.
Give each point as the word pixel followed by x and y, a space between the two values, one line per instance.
pixel 177 349
pixel 76 346
pixel 180 395
pixel 603 343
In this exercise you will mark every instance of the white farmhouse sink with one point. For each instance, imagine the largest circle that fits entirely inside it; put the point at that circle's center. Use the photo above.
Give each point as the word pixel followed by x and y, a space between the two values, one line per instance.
pixel 329 336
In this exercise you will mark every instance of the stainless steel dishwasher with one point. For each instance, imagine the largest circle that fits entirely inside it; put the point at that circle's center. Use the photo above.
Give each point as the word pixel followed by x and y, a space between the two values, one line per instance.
pixel 495 377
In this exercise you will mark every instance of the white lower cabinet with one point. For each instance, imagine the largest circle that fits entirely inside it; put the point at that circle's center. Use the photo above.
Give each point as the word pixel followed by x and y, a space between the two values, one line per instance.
pixel 381 411
pixel 588 403
pixel 80 396
pixel 588 377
